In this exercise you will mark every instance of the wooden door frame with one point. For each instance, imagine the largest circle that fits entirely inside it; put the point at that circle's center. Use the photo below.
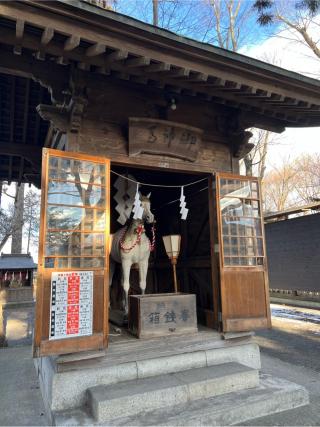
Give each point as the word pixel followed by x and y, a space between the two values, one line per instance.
pixel 43 347
pixel 263 268
pixel 214 257
pixel 215 263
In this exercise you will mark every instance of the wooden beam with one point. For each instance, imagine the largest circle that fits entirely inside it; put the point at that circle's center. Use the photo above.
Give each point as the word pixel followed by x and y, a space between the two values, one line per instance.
pixel 19 34
pixel 281 103
pixel 12 107
pixel 37 125
pixel 137 62
pixel 180 73
pixel 259 94
pixel 103 70
pixel 32 153
pixel 212 82
pixel 71 43
pixel 77 56
pixel 40 55
pixel 95 50
pixel 157 68
pixel 231 87
pixel 117 55
pixel 245 91
pixel 47 36
pixel 56 78
pixel 123 76
pixel 140 79
pixel 84 66
pixel 148 46
pixel 25 111
pixel 19 29
pixel 174 89
pixel 61 60
pixel 198 77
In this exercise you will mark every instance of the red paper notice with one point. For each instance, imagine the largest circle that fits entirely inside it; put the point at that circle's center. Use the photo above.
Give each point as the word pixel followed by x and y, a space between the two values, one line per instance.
pixel 73 319
pixel 71 309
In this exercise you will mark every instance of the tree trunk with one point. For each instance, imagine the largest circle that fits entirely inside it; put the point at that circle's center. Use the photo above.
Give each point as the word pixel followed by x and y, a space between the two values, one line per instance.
pixel 16 244
pixel 155 4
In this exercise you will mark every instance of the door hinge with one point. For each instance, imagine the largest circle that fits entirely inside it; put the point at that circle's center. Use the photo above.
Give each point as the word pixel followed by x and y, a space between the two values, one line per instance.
pixel 219 316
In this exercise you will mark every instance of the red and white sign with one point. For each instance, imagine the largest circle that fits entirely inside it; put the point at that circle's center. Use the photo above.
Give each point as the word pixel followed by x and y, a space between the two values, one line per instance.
pixel 71 304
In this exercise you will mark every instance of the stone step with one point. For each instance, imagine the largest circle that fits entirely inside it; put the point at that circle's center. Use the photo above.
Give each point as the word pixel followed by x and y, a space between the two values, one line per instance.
pixel 273 395
pixel 134 397
pixel 67 389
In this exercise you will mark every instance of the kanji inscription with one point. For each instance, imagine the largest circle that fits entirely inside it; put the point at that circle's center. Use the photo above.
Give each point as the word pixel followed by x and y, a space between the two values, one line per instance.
pixel 162 137
pixel 162 314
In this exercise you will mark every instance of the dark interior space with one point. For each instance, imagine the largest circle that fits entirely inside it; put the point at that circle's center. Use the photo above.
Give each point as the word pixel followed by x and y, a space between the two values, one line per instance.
pixel 194 262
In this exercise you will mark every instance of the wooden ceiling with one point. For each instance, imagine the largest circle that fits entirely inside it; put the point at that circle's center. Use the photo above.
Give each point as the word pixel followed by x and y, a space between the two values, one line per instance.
pixel 97 41
pixel 22 131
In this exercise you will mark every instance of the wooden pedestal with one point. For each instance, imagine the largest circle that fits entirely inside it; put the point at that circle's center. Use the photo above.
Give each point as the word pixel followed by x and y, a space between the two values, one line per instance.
pixel 157 315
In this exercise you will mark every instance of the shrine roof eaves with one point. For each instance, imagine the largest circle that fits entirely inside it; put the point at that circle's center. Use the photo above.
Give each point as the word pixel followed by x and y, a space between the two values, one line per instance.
pixel 17 261
pixel 187 41
pixel 116 47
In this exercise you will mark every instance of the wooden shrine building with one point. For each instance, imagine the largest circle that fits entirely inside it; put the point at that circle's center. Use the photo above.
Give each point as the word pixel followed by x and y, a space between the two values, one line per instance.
pixel 96 87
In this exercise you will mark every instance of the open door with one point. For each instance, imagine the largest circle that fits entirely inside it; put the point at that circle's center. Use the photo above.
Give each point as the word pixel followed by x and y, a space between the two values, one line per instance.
pixel 244 289
pixel 72 286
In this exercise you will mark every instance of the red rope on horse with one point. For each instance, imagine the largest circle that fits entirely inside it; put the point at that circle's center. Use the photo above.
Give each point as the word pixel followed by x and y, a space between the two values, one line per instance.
pixel 153 243
pixel 140 230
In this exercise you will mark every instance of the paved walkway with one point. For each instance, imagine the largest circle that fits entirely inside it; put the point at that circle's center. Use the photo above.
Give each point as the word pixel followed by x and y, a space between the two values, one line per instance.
pixel 290 351
pixel 310 379
pixel 20 397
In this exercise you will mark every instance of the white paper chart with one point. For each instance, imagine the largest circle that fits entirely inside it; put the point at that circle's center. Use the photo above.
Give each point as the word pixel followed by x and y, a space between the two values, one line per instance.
pixel 71 304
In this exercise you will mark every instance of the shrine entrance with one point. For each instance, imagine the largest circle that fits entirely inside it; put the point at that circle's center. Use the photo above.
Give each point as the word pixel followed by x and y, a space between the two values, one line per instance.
pixel 194 267
pixel 222 257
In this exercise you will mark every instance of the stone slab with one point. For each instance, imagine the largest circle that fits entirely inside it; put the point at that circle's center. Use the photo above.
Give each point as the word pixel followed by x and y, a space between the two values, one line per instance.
pixel 170 364
pixel 273 395
pixel 133 397
pixel 82 355
pixel 235 335
pixel 64 385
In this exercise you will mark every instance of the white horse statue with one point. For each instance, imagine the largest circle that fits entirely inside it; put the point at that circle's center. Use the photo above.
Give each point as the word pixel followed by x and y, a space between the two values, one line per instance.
pixel 130 245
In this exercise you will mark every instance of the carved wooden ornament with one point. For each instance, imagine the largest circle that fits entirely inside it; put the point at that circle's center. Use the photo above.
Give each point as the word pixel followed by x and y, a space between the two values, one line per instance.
pixel 151 136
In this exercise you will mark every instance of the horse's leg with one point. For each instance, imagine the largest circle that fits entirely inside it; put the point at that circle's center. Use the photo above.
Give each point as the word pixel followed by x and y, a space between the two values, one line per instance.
pixel 126 267
pixel 143 270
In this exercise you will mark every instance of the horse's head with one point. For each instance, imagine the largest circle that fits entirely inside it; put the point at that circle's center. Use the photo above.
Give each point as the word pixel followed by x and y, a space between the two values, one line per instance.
pixel 147 214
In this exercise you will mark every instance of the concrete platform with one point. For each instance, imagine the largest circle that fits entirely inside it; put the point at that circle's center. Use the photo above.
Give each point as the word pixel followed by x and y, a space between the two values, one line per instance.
pixel 271 396
pixel 65 381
